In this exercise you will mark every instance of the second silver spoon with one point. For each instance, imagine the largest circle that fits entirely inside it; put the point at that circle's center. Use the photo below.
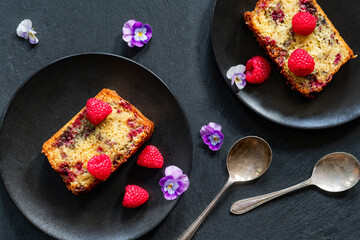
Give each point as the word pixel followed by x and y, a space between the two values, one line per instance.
pixel 334 172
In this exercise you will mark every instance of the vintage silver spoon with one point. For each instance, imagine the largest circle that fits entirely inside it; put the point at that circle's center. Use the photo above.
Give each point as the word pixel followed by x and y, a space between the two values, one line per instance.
pixel 335 172
pixel 247 160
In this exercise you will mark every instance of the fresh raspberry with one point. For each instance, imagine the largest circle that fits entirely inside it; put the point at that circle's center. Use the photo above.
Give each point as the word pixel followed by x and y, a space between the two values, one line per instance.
pixel 303 23
pixel 301 63
pixel 134 196
pixel 150 157
pixel 97 110
pixel 100 166
pixel 257 70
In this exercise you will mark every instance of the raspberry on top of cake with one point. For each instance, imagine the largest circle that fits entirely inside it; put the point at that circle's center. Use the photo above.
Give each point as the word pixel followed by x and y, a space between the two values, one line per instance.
pixel 120 131
pixel 271 22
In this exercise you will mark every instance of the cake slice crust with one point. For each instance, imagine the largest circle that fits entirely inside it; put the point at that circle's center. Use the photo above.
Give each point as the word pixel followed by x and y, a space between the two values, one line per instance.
pixel 271 25
pixel 119 136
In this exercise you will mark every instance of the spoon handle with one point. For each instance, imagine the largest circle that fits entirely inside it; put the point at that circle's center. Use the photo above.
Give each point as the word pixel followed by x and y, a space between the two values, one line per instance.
pixel 196 224
pixel 245 205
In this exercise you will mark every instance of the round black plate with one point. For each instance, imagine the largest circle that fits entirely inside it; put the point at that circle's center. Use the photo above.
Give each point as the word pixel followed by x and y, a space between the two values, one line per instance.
pixel 44 104
pixel 338 103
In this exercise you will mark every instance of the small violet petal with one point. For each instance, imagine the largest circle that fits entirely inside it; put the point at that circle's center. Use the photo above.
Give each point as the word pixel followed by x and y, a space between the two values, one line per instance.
pixel 206 130
pixel 24 26
pixel 127 37
pixel 173 171
pixel 169 196
pixel 148 32
pixel 32 38
pixel 184 184
pixel 137 43
pixel 240 81
pixel 235 69
pixel 215 126
pixel 207 139
pixel 137 25
pixel 164 179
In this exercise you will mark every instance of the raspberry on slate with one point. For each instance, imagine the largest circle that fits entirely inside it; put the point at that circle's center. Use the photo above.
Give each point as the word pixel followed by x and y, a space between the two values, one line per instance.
pixel 135 196
pixel 258 70
pixel 97 110
pixel 150 157
pixel 100 166
pixel 303 23
pixel 301 63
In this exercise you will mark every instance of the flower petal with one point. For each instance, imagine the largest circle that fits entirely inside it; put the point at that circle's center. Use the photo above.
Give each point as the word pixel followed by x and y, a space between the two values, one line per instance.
pixel 230 73
pixel 33 39
pixel 215 126
pixel 130 23
pixel 137 25
pixel 24 27
pixel 234 70
pixel 26 23
pixel 148 32
pixel 206 138
pixel 170 196
pixel 184 184
pixel 127 37
pixel 240 68
pixel 240 83
pixel 164 180
pixel 205 130
pixel 173 171
pixel 137 43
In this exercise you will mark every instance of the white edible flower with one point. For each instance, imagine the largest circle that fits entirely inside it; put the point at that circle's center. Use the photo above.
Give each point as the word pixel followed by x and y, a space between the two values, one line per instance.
pixel 26 31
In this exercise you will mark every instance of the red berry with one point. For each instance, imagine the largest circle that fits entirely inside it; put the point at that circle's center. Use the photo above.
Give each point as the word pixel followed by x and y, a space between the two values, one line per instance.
pixel 135 196
pixel 97 110
pixel 258 69
pixel 100 166
pixel 150 157
pixel 301 63
pixel 303 23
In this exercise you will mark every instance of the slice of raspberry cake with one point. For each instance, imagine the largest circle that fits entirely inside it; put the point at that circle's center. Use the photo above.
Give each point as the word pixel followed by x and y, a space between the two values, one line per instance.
pixel 108 125
pixel 273 26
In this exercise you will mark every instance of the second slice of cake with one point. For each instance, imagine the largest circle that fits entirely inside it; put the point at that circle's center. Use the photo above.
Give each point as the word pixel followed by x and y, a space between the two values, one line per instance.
pixel 271 23
pixel 118 136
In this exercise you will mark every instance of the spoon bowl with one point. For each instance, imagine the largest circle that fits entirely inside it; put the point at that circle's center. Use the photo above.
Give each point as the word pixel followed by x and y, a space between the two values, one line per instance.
pixel 248 159
pixel 336 172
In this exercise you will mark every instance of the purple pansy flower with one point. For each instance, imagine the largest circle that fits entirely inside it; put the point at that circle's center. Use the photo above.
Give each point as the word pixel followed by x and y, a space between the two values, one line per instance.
pixel 174 183
pixel 26 31
pixel 212 136
pixel 136 33
pixel 236 75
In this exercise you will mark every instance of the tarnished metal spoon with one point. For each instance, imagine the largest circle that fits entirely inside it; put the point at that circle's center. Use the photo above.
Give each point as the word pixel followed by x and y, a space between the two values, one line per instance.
pixel 335 172
pixel 247 160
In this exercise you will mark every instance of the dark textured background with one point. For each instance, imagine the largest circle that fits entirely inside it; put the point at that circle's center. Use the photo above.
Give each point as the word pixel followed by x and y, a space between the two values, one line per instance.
pixel 180 53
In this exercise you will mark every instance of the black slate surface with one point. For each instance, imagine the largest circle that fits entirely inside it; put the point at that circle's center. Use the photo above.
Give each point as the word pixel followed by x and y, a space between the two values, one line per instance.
pixel 180 53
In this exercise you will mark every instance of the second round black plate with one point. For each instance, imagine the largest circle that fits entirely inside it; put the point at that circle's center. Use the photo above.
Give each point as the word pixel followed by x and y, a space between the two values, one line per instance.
pixel 44 104
pixel 338 103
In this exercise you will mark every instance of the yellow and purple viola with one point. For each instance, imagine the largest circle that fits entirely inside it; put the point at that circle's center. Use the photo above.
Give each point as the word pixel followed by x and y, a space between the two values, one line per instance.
pixel 174 183
pixel 212 136
pixel 136 33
